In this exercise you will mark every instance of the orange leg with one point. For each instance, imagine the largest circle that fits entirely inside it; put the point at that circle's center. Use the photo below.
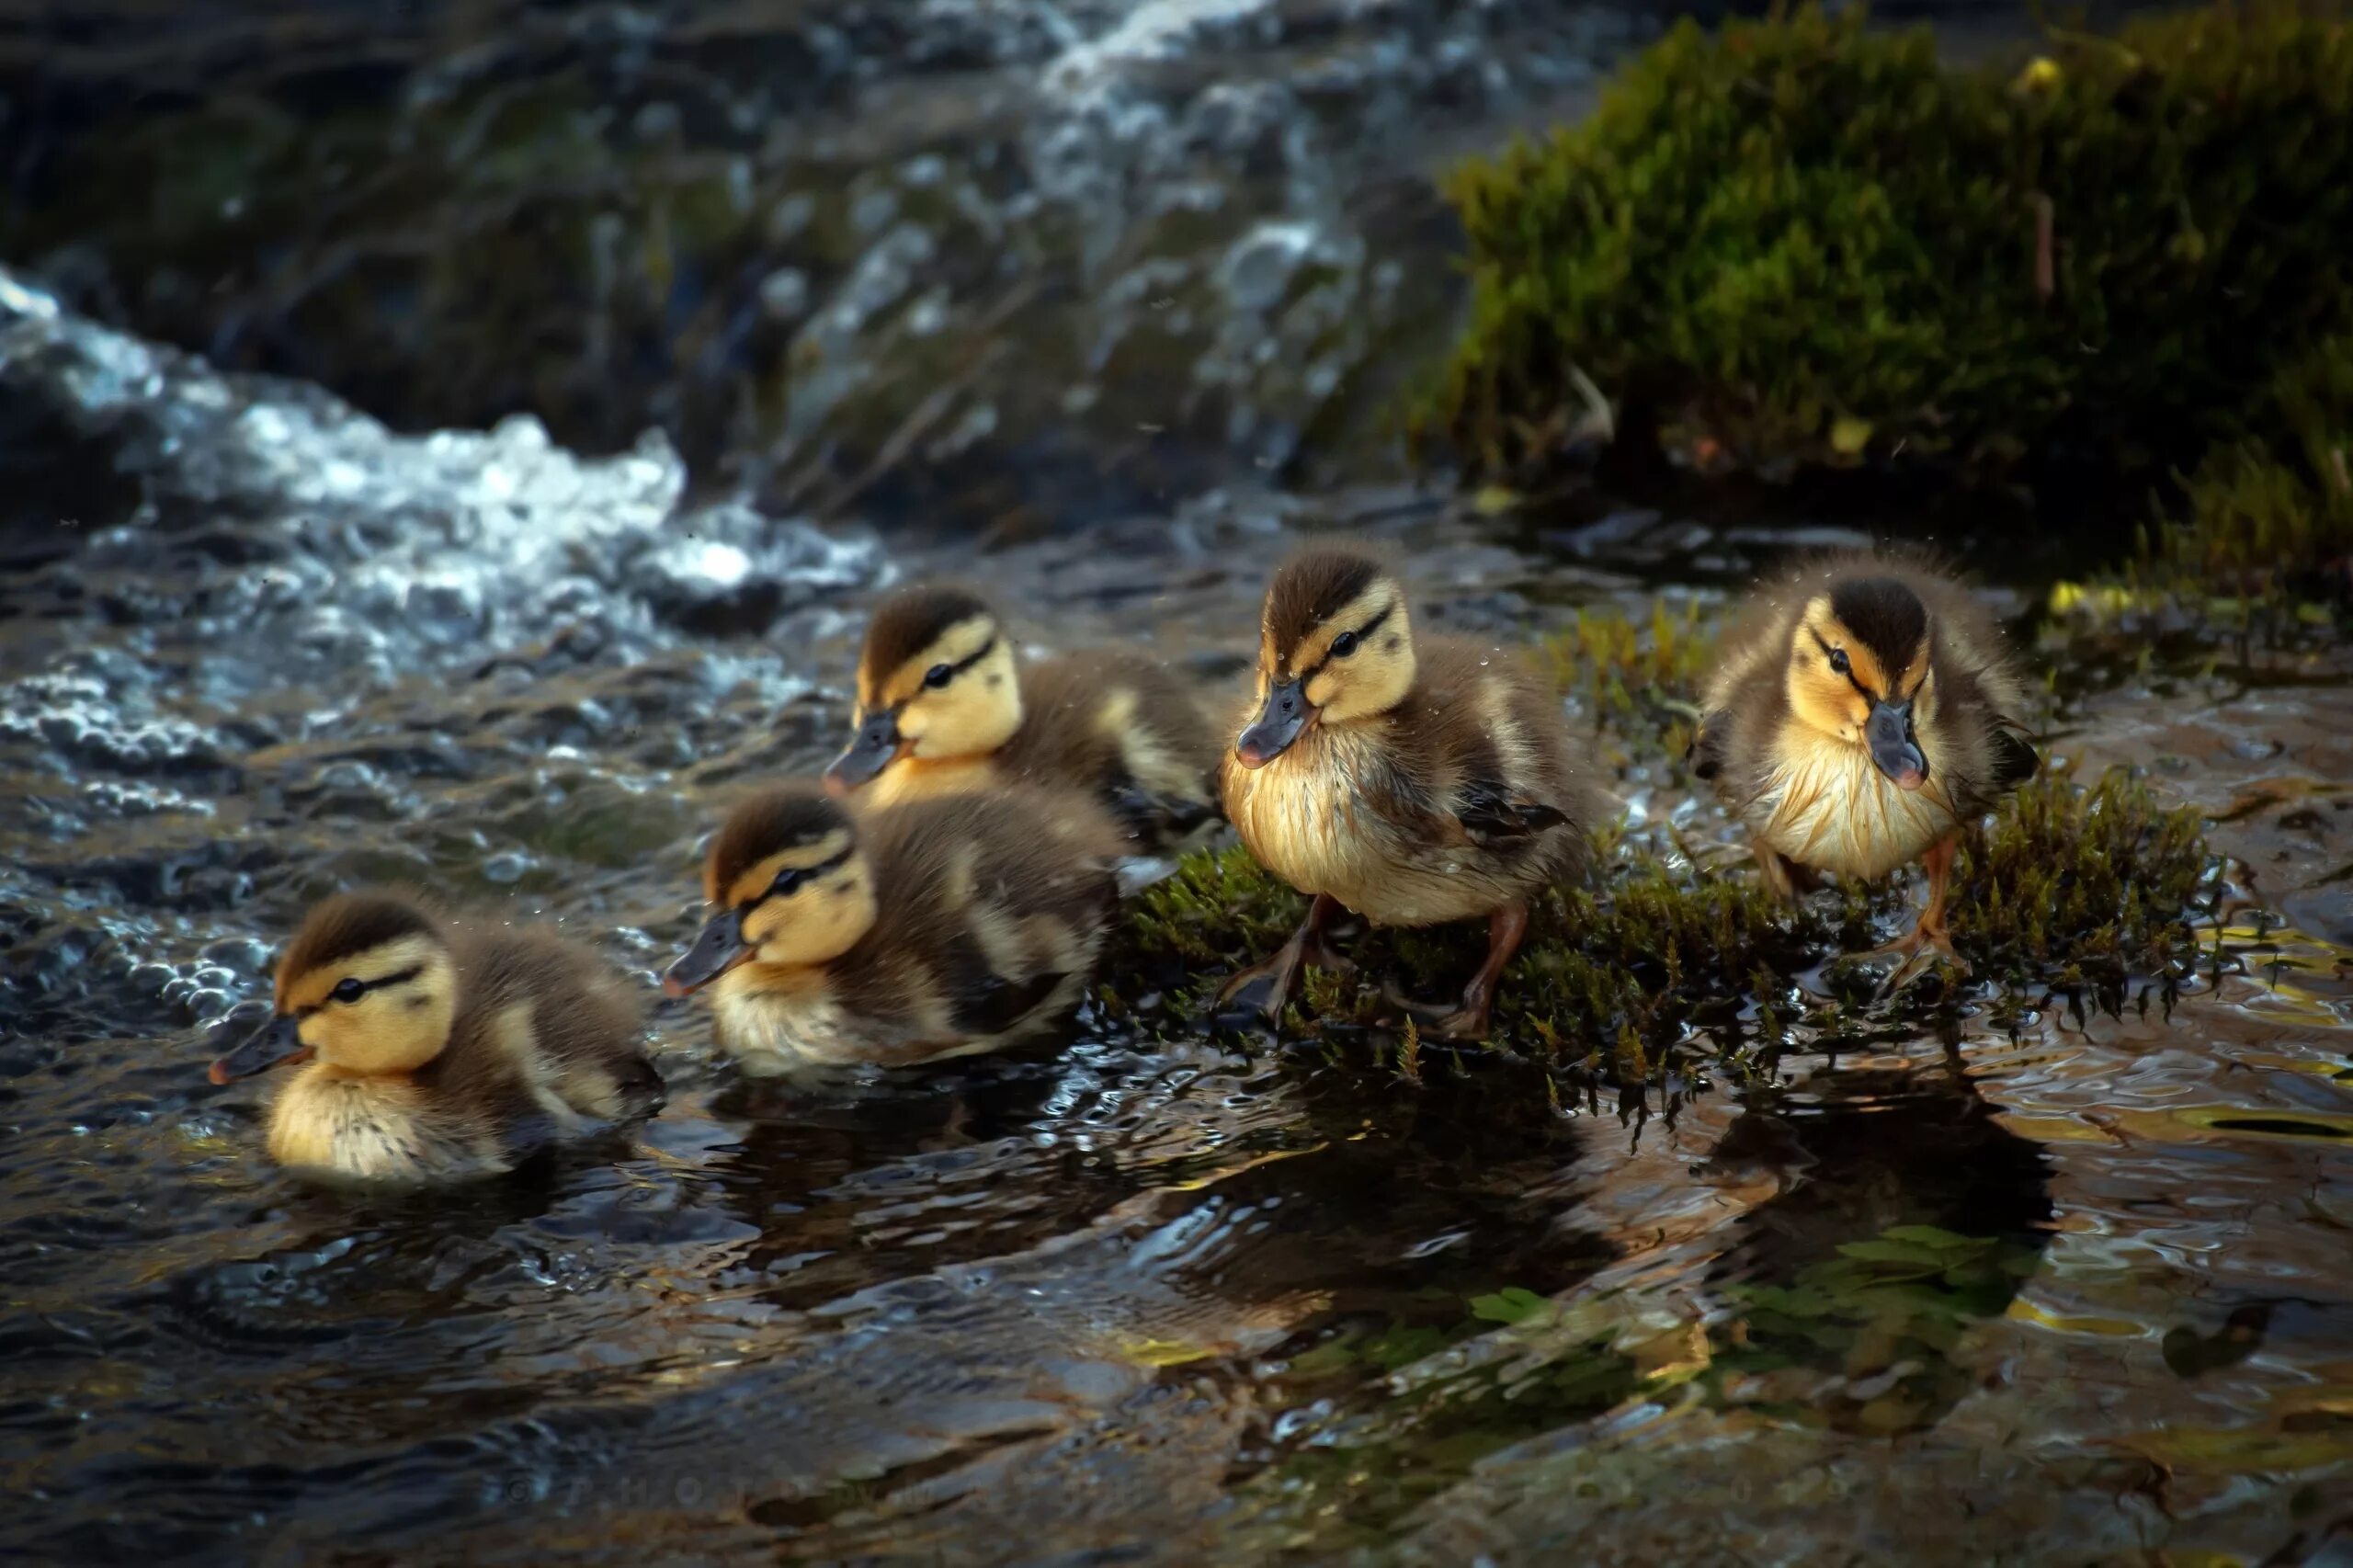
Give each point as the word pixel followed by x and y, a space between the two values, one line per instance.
pixel 1473 1020
pixel 1307 946
pixel 1929 938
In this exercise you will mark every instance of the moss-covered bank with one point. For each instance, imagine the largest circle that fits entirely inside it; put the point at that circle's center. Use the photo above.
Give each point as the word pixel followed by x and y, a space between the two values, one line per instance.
pixel 1801 237
pixel 1674 961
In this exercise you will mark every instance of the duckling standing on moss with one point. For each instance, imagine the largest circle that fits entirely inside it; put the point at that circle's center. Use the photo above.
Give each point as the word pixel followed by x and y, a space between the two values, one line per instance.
pixel 1411 782
pixel 936 928
pixel 1862 713
pixel 943 707
pixel 433 1050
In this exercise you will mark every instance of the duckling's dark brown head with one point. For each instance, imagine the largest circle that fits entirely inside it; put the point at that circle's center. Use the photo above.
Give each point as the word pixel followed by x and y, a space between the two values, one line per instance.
pixel 785 883
pixel 935 679
pixel 1334 646
pixel 1859 670
pixel 367 986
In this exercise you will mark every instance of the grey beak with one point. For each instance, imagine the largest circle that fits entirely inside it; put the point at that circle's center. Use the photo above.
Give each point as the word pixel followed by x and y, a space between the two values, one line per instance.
pixel 876 747
pixel 279 1040
pixel 1287 713
pixel 1894 748
pixel 719 948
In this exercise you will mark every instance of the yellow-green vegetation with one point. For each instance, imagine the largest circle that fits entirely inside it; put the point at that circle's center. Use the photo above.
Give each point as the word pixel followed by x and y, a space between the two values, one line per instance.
pixel 1638 676
pixel 1803 237
pixel 1661 969
pixel 2263 535
pixel 1659 966
pixel 2084 882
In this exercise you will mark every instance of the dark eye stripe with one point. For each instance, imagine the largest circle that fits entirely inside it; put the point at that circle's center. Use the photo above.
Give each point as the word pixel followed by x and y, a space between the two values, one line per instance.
pixel 807 873
pixel 957 668
pixel 1827 651
pixel 382 983
pixel 1362 634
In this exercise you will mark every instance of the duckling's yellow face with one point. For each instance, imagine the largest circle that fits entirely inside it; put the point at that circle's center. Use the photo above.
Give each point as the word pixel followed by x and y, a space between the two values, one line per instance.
pixel 806 905
pixel 385 1010
pixel 1859 672
pixel 377 1012
pixel 804 898
pixel 957 695
pixel 1335 645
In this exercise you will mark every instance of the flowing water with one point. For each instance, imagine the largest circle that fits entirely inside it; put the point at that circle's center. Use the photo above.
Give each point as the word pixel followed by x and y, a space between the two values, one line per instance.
pixel 2067 1289
pixel 1107 1298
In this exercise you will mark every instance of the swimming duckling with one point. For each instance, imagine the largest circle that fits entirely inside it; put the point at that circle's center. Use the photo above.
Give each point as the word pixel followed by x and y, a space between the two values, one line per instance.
pixel 432 1049
pixel 943 707
pixel 1412 781
pixel 1861 714
pixel 935 928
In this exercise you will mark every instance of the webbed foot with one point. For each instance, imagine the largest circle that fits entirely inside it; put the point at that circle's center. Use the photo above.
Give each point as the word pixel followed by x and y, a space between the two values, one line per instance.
pixel 1307 946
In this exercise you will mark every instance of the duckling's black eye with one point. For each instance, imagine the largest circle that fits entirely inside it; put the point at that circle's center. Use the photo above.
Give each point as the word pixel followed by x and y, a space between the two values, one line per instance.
pixel 1344 644
pixel 788 880
pixel 939 675
pixel 347 990
pixel 1838 660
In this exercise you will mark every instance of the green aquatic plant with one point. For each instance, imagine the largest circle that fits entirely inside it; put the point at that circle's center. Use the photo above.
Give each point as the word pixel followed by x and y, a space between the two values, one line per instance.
pixel 1367 1469
pixel 2084 881
pixel 1659 969
pixel 1803 236
pixel 1885 1313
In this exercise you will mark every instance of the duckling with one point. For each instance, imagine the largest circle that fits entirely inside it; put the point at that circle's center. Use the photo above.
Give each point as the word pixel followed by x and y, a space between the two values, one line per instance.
pixel 1412 780
pixel 1863 712
pixel 432 1048
pixel 943 707
pixel 935 928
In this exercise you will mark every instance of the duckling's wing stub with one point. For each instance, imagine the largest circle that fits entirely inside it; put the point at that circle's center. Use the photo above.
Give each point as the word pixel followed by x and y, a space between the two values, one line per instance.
pixel 1142 810
pixel 639 1089
pixel 997 1005
pixel 2015 762
pixel 1706 753
pixel 1488 813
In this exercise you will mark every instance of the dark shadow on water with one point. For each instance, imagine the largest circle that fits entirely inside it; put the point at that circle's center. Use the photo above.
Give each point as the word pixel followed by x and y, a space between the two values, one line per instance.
pixel 1907 1213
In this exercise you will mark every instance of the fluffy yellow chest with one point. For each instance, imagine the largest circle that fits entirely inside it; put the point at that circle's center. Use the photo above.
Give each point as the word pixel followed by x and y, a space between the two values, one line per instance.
pixel 375 1129
pixel 1824 805
pixel 773 1020
pixel 1299 816
pixel 918 778
pixel 1307 818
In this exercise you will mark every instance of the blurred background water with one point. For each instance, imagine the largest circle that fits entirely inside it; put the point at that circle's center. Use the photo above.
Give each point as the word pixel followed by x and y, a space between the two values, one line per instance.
pixel 459 443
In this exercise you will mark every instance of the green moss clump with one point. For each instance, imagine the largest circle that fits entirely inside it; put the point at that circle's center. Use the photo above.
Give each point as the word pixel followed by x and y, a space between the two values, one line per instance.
pixel 1610 981
pixel 1799 237
pixel 2082 883
pixel 1221 908
pixel 1659 970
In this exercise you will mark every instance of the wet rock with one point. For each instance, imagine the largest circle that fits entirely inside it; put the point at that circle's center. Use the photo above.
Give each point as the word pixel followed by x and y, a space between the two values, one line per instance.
pixel 1256 273
pixel 823 247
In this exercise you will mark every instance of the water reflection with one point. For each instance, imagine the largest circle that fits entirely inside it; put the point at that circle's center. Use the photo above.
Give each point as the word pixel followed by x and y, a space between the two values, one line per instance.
pixel 1906 1213
pixel 1152 1297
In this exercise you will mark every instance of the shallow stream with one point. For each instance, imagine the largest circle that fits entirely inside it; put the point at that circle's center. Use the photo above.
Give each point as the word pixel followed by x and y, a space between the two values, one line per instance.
pixel 2079 1291
pixel 1111 1297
